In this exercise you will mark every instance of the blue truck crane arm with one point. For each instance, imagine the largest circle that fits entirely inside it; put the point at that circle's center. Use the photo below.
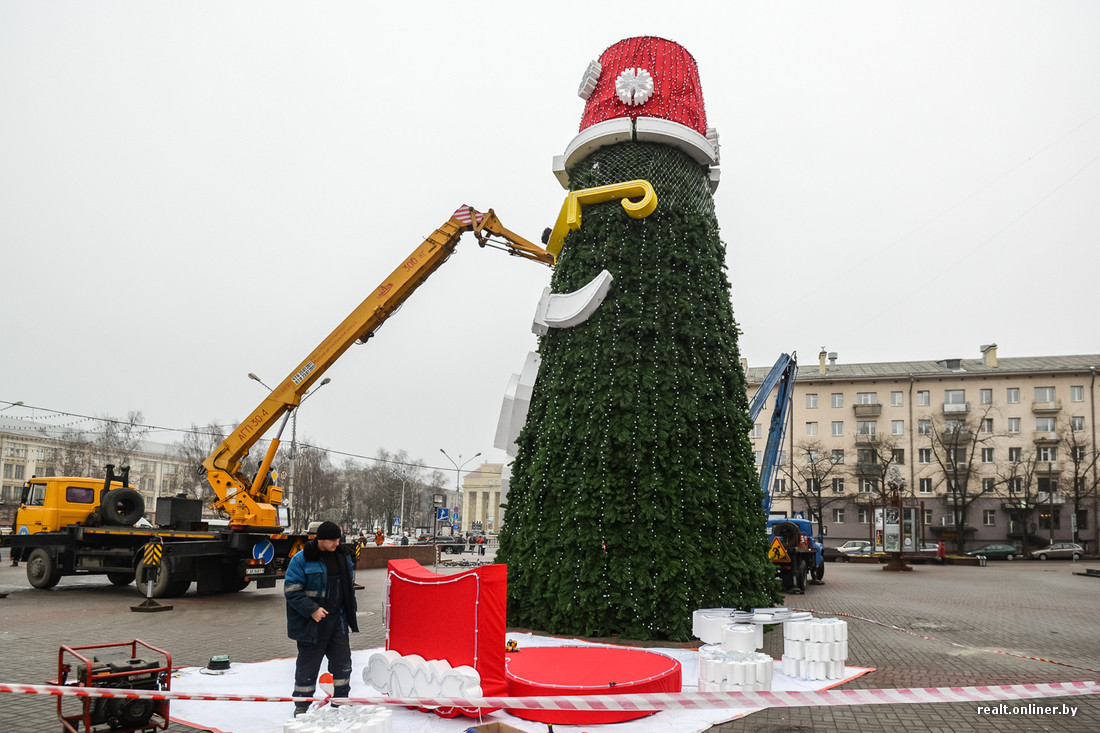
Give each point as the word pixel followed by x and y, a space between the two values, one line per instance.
pixel 781 378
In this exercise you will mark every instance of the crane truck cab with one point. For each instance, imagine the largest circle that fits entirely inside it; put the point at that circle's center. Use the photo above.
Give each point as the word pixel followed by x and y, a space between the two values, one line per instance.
pixel 47 504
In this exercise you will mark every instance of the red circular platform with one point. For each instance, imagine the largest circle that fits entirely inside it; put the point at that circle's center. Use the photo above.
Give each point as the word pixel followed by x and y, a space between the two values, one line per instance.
pixel 587 670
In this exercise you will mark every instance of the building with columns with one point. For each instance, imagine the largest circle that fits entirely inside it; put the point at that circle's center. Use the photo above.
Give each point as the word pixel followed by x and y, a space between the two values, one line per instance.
pixel 483 491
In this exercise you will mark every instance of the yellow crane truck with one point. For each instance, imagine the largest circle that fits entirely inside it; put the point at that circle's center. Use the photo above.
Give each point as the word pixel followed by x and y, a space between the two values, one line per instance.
pixel 79 526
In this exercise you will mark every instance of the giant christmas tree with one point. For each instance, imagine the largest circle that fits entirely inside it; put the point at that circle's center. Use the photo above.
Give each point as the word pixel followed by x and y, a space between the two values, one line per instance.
pixel 633 498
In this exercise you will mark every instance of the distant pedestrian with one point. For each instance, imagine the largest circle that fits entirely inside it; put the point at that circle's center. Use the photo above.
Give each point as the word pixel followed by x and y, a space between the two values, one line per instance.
pixel 16 552
pixel 405 538
pixel 320 612
pixel 379 537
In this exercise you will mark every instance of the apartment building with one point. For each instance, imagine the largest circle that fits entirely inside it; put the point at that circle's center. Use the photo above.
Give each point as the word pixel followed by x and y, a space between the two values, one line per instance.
pixel 976 450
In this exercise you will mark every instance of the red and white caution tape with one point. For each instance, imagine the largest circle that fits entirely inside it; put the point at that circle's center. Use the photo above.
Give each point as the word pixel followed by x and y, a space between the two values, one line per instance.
pixel 926 637
pixel 640 702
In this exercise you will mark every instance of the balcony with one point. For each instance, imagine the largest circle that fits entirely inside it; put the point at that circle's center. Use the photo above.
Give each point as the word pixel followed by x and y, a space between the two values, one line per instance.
pixel 1045 497
pixel 871 410
pixel 951 438
pixel 1046 408
pixel 953 408
pixel 866 498
pixel 1047 467
pixel 863 468
pixel 1045 436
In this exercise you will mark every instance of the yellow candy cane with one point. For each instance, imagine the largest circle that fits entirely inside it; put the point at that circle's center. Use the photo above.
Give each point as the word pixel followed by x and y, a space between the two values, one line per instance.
pixel 569 220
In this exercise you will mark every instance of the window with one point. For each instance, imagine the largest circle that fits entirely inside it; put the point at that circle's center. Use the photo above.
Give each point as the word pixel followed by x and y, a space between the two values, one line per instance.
pixel 838 455
pixel 1078 453
pixel 868 485
pixel 866 398
pixel 863 515
pixel 1044 424
pixel 1046 453
pixel 925 486
pixel 924 398
pixel 985 396
pixel 811 456
pixel 758 457
pixel 954 427
pixel 1082 519
pixel 1013 424
pixel 1012 395
pixel 866 455
pixel 19 471
pixel 838 428
pixel 989 517
pixel 924 427
pixel 924 455
pixel 757 431
pixel 954 397
pixel 79 495
pixel 866 427
pixel 897 427
pixel 838 486
pixel 987 425
pixel 837 399
pixel 1044 519
pixel 899 456
pixel 1014 454
pixel 811 401
pixel 927 517
pixel 1044 394
pixel 988 485
pixel 987 455
pixel 811 429
pixel 1077 394
pixel 1077 423
pixel 1015 485
pixel 813 486
pixel 897 399
pixel 780 486
pixel 955 456
pixel 838 516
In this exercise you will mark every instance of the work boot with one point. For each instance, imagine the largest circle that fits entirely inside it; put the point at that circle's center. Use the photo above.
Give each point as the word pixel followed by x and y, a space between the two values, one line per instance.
pixel 301 709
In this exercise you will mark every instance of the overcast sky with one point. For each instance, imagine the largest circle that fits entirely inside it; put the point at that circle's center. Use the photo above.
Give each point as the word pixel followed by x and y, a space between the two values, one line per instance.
pixel 192 191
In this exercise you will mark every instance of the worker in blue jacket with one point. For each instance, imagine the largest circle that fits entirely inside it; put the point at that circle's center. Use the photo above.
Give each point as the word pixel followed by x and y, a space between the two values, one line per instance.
pixel 320 611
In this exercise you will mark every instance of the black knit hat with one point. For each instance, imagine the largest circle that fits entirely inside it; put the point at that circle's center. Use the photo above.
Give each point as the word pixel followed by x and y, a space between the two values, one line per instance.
pixel 328 531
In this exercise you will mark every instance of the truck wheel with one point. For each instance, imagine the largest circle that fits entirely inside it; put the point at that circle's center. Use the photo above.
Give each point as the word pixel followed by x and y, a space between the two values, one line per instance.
pixel 122 507
pixel 800 574
pixel 120 578
pixel 786 578
pixel 817 573
pixel 42 569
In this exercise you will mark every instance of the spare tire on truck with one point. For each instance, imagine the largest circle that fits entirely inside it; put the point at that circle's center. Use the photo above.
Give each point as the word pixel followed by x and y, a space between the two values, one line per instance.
pixel 122 507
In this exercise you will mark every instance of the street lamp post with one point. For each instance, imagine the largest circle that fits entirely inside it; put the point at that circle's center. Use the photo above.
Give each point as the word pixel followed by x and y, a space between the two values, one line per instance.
pixel 293 441
pixel 458 471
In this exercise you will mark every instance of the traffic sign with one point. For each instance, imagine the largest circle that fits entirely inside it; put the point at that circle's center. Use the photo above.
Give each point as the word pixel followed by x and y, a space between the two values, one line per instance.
pixel 442 513
pixel 777 552
pixel 263 550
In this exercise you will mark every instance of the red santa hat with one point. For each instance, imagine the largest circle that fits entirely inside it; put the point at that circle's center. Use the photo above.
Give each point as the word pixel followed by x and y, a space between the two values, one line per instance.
pixel 644 89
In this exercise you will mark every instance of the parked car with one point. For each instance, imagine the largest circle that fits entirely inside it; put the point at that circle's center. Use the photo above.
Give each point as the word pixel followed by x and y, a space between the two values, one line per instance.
pixel 843 552
pixel 1060 551
pixel 995 552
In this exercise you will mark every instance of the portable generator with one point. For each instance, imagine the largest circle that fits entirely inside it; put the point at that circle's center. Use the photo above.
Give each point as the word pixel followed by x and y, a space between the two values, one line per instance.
pixel 110 666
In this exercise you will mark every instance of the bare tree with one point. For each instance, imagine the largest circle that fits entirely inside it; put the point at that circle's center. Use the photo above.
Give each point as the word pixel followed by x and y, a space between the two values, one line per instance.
pixel 197 444
pixel 1079 462
pixel 1015 482
pixel 73 454
pixel 119 439
pixel 317 494
pixel 812 475
pixel 954 441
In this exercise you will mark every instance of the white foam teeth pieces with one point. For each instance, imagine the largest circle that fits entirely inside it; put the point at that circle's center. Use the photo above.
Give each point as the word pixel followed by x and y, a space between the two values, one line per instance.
pixel 343 719
pixel 413 676
pixel 815 649
pixel 733 671
pixel 707 623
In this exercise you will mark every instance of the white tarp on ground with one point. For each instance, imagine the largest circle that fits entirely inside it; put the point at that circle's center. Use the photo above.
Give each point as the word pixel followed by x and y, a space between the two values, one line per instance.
pixel 275 678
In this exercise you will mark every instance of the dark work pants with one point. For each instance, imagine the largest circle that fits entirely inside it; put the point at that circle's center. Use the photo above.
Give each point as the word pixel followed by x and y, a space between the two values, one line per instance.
pixel 332 642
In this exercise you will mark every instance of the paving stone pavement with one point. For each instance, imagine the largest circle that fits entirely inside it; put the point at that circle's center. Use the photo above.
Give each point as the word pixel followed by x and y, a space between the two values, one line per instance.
pixel 1020 609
